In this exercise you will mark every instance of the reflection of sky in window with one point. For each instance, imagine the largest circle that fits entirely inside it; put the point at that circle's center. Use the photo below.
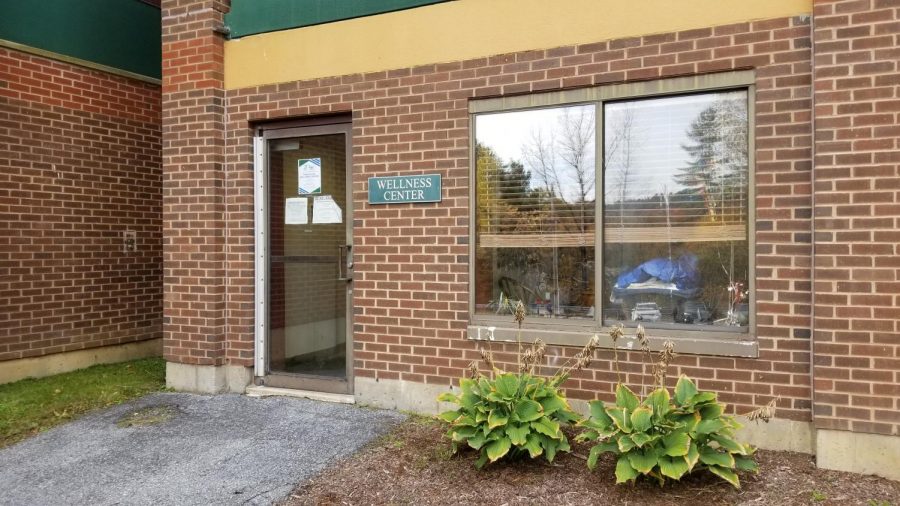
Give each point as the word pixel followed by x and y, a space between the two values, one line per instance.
pixel 658 132
pixel 511 134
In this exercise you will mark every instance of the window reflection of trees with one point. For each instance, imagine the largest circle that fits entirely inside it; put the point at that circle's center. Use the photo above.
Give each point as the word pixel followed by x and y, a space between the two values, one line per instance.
pixel 537 216
pixel 675 183
pixel 658 206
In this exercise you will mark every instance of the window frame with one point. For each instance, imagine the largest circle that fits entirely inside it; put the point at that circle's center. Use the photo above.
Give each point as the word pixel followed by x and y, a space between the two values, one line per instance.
pixel 572 332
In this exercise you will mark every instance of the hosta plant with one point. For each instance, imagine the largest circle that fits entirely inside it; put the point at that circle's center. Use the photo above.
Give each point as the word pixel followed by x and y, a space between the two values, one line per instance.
pixel 513 414
pixel 509 415
pixel 663 436
pixel 666 438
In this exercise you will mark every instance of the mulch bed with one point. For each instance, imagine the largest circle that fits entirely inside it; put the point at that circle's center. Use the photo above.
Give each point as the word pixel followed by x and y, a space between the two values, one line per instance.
pixel 413 465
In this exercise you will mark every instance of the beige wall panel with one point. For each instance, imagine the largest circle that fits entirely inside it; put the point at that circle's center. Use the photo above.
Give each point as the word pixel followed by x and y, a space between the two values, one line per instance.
pixel 466 29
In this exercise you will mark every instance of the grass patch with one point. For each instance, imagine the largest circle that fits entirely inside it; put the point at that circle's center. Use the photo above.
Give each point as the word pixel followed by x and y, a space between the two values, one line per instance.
pixel 426 420
pixel 30 406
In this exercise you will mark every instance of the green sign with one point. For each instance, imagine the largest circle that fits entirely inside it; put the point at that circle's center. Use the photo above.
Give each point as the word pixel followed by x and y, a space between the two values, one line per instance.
pixel 405 189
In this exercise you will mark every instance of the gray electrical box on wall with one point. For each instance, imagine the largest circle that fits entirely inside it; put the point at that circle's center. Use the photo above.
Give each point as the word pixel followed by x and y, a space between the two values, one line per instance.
pixel 129 241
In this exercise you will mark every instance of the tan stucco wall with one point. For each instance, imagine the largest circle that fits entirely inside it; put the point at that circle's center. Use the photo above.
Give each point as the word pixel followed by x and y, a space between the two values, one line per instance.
pixel 465 29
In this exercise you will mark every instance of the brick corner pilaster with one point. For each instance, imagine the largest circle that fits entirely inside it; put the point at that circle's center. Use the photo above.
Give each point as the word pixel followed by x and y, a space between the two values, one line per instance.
pixel 193 112
pixel 857 175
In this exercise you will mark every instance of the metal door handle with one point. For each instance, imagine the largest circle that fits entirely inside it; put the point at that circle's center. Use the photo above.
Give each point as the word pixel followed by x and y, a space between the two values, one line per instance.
pixel 345 267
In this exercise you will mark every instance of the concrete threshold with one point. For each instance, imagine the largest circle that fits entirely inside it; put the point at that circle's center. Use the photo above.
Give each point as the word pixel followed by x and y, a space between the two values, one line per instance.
pixel 262 391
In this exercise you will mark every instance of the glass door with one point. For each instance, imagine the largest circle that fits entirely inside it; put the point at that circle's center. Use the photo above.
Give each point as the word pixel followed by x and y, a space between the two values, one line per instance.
pixel 309 258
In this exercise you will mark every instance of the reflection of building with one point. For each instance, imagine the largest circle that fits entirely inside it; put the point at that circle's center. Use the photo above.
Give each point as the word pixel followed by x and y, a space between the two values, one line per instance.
pixel 818 326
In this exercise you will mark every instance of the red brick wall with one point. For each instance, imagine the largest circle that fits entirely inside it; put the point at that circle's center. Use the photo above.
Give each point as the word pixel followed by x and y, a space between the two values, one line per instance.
pixel 857 289
pixel 411 275
pixel 80 165
pixel 194 181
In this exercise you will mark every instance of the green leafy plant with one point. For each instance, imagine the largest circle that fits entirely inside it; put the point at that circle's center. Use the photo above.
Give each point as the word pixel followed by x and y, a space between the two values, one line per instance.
pixel 511 414
pixel 817 496
pixel 665 436
pixel 514 414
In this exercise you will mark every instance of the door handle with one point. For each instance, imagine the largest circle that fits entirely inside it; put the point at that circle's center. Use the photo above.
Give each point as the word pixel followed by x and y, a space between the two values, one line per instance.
pixel 345 267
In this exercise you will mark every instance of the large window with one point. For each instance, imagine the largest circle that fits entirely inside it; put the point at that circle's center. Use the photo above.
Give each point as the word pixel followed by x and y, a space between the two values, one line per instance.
pixel 536 193
pixel 675 200
pixel 667 177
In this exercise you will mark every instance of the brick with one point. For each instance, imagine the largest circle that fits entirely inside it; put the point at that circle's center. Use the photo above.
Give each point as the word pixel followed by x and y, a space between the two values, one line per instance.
pixel 82 168
pixel 871 282
pixel 193 199
pixel 441 248
pixel 856 178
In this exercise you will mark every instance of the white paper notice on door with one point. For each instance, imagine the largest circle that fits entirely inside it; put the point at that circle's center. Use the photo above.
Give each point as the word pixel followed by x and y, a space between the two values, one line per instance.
pixel 309 175
pixel 295 211
pixel 326 210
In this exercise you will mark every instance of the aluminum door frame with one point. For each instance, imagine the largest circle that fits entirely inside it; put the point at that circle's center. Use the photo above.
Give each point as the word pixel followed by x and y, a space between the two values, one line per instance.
pixel 261 137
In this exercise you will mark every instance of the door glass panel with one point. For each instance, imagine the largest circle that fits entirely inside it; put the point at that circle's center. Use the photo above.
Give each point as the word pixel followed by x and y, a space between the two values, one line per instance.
pixel 308 256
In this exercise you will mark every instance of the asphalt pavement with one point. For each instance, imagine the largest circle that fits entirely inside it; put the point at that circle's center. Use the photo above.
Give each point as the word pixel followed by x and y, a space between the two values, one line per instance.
pixel 185 449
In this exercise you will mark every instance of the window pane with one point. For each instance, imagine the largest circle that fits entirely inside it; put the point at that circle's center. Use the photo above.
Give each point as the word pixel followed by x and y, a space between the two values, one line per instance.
pixel 675 207
pixel 534 237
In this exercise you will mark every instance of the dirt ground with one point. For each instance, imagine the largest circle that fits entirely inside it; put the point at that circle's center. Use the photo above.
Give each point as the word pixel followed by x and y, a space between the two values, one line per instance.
pixel 413 465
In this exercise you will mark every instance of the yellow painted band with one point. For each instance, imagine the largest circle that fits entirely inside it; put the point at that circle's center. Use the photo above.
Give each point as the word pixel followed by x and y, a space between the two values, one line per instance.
pixel 465 29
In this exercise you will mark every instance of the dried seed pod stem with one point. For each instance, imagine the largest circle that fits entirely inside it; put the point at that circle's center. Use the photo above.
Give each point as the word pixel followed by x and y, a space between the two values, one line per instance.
pixel 641 335
pixel 487 356
pixel 615 333
pixel 527 359
pixel 537 348
pixel 519 315
pixel 581 359
pixel 473 370
pixel 764 413
pixel 661 367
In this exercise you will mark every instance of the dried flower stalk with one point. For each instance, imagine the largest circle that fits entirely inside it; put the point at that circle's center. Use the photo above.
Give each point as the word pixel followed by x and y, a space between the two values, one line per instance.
pixel 519 316
pixel 764 413
pixel 527 358
pixel 661 367
pixel 488 357
pixel 641 336
pixel 581 360
pixel 617 331
pixel 644 342
pixel 530 359
pixel 532 356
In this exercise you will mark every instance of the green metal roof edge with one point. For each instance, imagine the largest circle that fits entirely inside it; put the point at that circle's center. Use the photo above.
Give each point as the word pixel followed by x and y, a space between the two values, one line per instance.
pixel 251 17
pixel 117 34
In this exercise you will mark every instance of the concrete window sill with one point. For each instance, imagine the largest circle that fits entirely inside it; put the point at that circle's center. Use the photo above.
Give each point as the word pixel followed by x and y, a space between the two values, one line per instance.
pixel 695 342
